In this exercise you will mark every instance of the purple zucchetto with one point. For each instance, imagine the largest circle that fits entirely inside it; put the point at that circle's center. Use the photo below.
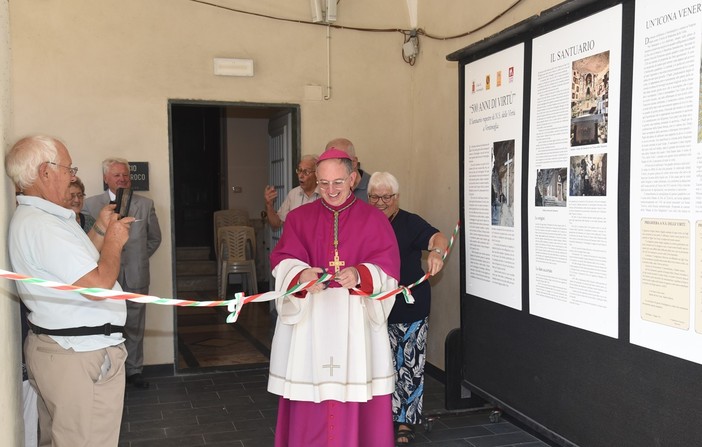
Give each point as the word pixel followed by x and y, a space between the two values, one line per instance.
pixel 333 152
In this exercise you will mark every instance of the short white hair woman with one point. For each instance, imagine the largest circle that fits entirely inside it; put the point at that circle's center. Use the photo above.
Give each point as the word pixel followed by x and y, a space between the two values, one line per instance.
pixel 408 324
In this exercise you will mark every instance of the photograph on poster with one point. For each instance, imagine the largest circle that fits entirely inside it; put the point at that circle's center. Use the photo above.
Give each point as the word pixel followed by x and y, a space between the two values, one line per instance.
pixel 588 175
pixel 551 187
pixel 589 100
pixel 502 197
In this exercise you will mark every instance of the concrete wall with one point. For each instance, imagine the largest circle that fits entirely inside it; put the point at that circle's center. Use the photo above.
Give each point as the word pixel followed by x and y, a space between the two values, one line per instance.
pixel 99 75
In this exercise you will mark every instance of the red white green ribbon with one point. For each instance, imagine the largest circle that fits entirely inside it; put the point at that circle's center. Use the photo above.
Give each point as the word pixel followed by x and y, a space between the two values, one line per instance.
pixel 405 290
pixel 233 305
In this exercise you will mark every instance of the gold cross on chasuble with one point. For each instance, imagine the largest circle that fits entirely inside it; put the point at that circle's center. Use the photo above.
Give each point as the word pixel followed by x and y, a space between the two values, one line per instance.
pixel 336 263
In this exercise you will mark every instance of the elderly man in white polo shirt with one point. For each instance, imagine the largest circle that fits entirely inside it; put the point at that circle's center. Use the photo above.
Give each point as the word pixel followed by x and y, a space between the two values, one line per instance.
pixel 75 350
pixel 304 193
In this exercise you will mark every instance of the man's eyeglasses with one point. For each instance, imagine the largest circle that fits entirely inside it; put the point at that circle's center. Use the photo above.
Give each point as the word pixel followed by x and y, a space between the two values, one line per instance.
pixel 325 184
pixel 299 171
pixel 386 198
pixel 72 171
pixel 77 195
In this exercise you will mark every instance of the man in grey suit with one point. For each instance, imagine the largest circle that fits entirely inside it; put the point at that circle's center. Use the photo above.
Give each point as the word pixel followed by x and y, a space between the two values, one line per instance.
pixel 134 276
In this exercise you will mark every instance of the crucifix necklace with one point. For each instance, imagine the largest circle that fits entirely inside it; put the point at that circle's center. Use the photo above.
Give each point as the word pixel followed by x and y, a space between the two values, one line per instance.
pixel 337 263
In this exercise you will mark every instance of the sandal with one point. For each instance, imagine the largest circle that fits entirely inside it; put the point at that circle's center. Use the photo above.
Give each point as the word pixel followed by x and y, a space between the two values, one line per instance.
pixel 404 436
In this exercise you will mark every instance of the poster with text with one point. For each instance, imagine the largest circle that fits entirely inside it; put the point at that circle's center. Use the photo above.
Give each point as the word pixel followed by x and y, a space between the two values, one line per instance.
pixel 492 176
pixel 573 173
pixel 666 179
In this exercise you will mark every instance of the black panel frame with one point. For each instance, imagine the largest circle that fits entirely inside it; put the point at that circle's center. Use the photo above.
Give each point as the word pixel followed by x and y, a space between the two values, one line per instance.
pixel 572 386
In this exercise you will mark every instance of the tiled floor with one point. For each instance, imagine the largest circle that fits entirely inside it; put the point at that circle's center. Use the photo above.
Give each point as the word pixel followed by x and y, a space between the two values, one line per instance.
pixel 234 409
pixel 219 398
pixel 206 340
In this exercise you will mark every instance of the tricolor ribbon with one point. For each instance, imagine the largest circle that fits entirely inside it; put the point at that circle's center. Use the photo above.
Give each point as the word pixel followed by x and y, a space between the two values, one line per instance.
pixel 233 305
pixel 405 290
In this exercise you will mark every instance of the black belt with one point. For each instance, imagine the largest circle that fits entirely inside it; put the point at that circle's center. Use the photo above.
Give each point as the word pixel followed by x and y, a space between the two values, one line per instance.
pixel 106 329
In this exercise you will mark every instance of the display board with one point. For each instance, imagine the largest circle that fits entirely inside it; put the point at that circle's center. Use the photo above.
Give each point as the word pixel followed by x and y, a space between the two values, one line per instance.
pixel 573 172
pixel 580 358
pixel 666 199
pixel 493 173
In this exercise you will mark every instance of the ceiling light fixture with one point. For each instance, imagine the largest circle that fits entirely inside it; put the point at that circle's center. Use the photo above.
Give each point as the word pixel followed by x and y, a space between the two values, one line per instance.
pixel 323 11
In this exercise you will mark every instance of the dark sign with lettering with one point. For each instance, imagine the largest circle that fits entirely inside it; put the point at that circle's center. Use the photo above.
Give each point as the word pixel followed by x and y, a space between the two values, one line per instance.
pixel 139 172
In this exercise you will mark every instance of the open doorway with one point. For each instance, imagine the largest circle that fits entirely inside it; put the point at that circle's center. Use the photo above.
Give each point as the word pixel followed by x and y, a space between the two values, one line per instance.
pixel 221 158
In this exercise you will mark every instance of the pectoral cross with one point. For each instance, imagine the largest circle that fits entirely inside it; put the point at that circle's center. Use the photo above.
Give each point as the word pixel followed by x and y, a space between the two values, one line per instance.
pixel 331 366
pixel 336 263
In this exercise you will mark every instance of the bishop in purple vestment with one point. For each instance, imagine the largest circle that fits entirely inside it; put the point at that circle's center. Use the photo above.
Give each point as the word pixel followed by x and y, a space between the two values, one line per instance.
pixel 331 360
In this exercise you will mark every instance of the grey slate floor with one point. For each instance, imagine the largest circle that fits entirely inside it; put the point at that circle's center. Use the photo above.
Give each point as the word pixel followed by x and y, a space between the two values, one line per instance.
pixel 234 409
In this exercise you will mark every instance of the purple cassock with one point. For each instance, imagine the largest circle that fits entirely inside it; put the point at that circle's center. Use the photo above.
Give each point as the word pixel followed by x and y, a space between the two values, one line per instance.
pixel 331 360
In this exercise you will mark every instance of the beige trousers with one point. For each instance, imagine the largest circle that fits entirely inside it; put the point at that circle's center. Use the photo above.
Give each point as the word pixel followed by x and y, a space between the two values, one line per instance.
pixel 80 397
